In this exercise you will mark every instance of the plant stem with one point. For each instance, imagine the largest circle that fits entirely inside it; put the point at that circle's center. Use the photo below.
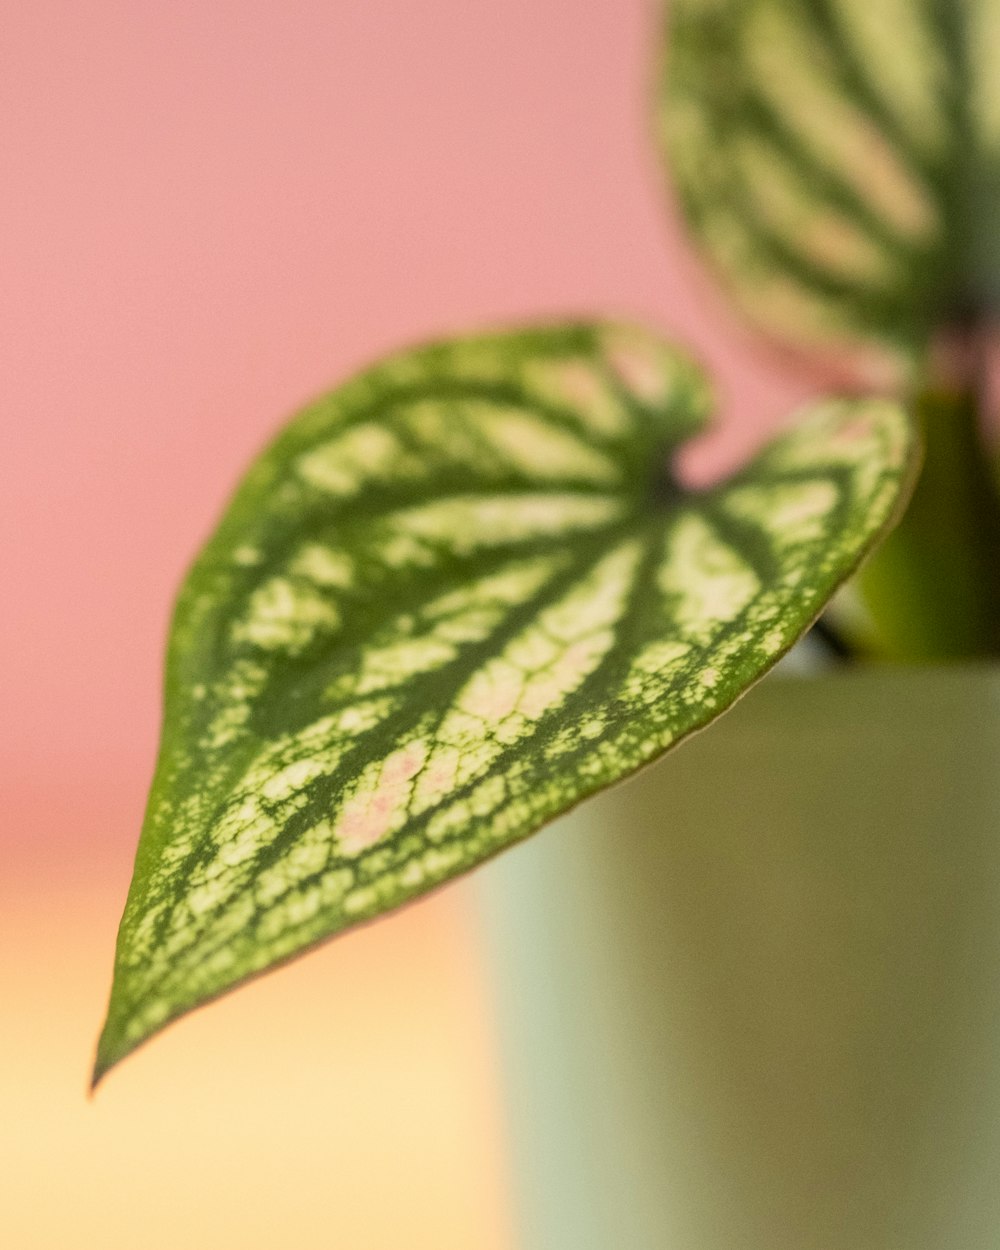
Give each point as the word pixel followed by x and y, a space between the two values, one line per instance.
pixel 836 648
pixel 932 590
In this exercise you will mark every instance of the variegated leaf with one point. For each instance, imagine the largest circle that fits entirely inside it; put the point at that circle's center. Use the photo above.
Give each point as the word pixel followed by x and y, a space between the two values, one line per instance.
pixel 453 599
pixel 839 161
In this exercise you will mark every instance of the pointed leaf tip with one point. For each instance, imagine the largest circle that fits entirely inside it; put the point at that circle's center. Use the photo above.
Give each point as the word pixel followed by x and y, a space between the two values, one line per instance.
pixel 448 603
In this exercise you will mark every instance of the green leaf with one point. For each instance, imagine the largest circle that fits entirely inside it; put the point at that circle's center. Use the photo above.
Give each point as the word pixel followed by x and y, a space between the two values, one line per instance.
pixel 454 598
pixel 839 161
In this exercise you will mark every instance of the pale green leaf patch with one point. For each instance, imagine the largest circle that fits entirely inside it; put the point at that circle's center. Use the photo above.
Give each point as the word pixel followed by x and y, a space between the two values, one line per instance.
pixel 453 599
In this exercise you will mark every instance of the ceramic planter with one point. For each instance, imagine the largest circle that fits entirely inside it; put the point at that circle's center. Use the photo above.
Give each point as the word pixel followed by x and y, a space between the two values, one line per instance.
pixel 750 1000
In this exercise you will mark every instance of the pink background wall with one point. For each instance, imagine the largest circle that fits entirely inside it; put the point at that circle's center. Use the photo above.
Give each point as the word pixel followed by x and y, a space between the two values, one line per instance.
pixel 212 209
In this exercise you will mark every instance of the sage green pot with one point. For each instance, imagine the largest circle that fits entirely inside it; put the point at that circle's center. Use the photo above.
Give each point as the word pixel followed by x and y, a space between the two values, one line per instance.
pixel 750 1000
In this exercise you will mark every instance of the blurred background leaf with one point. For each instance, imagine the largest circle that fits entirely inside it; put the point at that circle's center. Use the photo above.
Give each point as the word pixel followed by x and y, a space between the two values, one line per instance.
pixel 839 162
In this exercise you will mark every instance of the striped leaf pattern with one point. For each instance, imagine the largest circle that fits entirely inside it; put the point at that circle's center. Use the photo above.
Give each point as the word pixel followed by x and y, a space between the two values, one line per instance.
pixel 839 161
pixel 454 598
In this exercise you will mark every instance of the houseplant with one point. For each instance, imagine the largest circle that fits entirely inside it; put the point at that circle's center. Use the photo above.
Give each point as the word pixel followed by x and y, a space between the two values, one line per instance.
pixel 459 595
pixel 750 999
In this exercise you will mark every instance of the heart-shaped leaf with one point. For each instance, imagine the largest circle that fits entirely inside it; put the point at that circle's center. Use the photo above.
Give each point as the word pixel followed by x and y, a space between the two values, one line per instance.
pixel 839 160
pixel 453 599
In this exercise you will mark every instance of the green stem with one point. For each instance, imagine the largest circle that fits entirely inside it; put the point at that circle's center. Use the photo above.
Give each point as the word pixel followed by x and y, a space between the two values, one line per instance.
pixel 932 590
